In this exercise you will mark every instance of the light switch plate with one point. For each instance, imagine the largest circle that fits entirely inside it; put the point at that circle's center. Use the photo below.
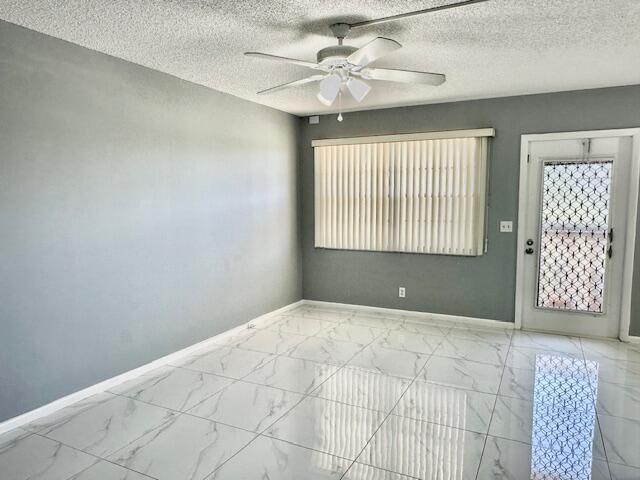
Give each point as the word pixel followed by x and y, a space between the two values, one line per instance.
pixel 506 226
pixel 314 119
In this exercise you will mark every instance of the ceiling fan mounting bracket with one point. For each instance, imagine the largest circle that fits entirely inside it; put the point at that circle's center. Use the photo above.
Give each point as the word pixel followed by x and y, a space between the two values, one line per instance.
pixel 340 31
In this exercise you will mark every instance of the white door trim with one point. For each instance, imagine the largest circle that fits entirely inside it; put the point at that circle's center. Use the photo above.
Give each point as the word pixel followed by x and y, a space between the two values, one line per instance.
pixel 632 215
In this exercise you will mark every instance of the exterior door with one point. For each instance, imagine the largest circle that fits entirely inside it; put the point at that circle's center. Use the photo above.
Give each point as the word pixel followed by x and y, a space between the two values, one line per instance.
pixel 574 235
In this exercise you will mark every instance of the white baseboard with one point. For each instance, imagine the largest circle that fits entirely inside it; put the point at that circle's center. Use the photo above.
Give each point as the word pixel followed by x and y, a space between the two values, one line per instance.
pixel 60 403
pixel 453 319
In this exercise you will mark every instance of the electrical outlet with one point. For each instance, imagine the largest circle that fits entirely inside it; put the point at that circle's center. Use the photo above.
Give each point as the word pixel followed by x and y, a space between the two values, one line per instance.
pixel 506 226
pixel 401 292
pixel 314 120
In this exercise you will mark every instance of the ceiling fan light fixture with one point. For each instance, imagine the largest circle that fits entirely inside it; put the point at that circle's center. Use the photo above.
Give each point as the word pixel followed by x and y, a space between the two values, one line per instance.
pixel 329 88
pixel 323 100
pixel 358 89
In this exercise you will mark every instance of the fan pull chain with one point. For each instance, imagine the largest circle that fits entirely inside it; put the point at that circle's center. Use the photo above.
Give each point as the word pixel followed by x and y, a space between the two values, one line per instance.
pixel 340 106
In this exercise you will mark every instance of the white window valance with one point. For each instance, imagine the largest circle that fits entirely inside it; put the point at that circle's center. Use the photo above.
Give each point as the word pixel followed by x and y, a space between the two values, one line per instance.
pixel 403 193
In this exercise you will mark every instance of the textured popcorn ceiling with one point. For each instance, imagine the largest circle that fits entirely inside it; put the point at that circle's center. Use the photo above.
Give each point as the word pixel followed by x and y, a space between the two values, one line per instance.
pixel 498 48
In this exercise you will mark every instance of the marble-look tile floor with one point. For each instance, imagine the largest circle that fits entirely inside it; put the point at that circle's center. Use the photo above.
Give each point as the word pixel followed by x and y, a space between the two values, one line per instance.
pixel 325 393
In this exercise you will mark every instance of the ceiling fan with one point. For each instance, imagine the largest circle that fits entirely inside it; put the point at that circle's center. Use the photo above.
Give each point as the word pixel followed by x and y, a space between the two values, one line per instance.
pixel 343 68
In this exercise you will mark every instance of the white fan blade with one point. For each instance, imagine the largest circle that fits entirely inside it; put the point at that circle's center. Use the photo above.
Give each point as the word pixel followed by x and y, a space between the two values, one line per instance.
pixel 403 76
pixel 358 89
pixel 391 18
pixel 295 83
pixel 329 88
pixel 276 58
pixel 373 50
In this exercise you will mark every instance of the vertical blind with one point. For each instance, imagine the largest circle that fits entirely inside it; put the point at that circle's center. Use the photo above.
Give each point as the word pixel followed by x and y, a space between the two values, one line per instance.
pixel 403 194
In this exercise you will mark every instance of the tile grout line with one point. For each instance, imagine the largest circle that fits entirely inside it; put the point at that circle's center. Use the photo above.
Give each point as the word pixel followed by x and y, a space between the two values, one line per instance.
pixel 288 412
pixel 309 394
pixel 445 334
pixel 94 455
pixel 594 390
pixel 386 329
pixel 178 412
pixel 233 382
pixel 208 476
pixel 495 402
pixel 56 425
pixel 390 413
pixel 258 434
pixel 119 448
pixel 273 357
pixel 269 437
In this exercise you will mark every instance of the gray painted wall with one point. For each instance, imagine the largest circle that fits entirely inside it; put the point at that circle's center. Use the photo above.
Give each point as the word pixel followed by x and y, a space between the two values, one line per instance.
pixel 480 286
pixel 139 214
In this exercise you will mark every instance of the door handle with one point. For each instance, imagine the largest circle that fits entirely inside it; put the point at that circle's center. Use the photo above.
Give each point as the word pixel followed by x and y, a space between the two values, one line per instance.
pixel 529 251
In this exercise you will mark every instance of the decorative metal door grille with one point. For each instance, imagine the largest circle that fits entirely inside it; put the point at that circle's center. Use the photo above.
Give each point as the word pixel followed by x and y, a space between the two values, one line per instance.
pixel 574 227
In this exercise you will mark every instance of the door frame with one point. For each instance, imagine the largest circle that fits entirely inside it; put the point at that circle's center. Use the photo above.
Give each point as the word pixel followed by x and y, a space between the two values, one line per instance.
pixel 632 215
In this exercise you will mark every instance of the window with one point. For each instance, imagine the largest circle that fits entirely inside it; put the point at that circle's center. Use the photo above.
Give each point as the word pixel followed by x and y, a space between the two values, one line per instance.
pixel 419 193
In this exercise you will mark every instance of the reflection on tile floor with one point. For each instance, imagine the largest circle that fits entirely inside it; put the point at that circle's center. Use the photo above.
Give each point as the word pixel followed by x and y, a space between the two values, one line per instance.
pixel 329 393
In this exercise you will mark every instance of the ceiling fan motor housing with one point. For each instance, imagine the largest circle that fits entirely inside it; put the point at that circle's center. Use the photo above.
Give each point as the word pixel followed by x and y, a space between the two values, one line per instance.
pixel 335 54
